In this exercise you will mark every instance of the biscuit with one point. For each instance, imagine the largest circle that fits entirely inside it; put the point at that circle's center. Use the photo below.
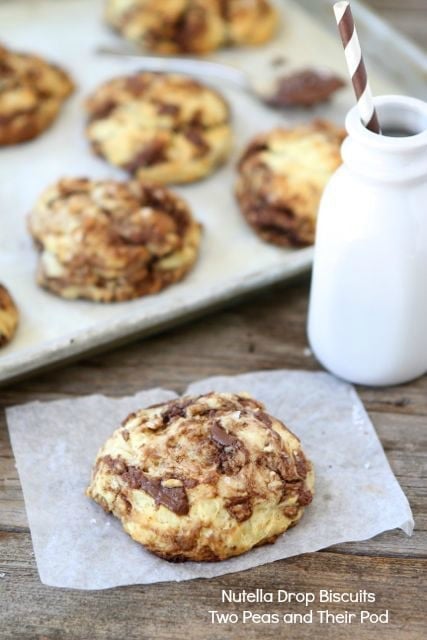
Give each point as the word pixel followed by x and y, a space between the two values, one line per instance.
pixel 9 316
pixel 162 128
pixel 203 478
pixel 192 26
pixel 32 92
pixel 281 177
pixel 110 241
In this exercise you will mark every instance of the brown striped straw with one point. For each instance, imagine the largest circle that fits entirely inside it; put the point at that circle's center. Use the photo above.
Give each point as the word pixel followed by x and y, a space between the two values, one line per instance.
pixel 356 66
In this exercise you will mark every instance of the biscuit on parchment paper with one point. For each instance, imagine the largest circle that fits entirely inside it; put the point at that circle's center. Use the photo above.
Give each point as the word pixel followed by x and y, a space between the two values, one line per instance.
pixel 203 478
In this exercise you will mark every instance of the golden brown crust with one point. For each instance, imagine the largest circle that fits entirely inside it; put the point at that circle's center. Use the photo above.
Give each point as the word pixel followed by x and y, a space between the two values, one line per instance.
pixel 192 26
pixel 31 94
pixel 203 478
pixel 162 128
pixel 9 316
pixel 281 178
pixel 110 241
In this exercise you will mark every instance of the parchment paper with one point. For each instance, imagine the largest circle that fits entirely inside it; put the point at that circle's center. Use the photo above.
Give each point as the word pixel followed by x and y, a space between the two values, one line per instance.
pixel 77 545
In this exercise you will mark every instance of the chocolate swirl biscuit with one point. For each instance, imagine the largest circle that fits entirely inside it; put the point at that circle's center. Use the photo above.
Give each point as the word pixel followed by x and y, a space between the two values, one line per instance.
pixel 161 128
pixel 192 26
pixel 9 316
pixel 111 241
pixel 281 177
pixel 32 92
pixel 203 478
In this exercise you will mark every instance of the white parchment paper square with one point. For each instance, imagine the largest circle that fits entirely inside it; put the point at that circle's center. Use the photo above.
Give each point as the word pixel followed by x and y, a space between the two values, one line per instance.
pixel 77 545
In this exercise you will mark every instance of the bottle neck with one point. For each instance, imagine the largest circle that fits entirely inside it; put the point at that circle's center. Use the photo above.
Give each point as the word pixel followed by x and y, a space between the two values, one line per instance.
pixel 400 153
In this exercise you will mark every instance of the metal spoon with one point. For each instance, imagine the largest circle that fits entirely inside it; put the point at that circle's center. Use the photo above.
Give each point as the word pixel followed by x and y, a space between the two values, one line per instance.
pixel 320 82
pixel 187 66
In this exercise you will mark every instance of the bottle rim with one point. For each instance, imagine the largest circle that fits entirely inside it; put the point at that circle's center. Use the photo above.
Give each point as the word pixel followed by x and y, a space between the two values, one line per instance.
pixel 394 112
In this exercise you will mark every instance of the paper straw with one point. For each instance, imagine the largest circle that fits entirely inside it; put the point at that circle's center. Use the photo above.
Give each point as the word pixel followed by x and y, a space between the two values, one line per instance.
pixel 356 66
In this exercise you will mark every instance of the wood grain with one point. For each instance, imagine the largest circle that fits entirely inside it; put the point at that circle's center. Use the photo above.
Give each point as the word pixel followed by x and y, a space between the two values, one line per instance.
pixel 267 332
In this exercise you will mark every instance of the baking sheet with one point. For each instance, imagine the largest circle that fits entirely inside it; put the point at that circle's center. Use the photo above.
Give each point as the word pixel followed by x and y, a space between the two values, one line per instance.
pixel 79 546
pixel 233 260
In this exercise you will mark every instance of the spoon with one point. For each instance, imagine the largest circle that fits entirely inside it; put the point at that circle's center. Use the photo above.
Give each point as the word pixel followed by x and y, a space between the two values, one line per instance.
pixel 305 87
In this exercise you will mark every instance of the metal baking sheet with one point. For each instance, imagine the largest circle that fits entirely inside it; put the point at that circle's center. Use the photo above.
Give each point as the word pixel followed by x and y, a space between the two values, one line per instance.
pixel 233 261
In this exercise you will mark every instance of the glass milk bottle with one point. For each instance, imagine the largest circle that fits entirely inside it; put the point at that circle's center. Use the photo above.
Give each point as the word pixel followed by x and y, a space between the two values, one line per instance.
pixel 367 318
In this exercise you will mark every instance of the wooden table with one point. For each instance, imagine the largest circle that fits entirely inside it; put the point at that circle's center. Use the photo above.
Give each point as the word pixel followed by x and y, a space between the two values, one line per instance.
pixel 267 332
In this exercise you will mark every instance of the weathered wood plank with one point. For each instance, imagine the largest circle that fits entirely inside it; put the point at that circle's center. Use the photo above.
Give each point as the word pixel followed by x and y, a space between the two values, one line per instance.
pixel 169 611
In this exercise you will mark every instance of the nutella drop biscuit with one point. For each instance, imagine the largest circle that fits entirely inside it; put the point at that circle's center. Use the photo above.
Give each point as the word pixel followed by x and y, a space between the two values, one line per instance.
pixel 109 241
pixel 192 26
pixel 160 128
pixel 32 92
pixel 9 316
pixel 281 177
pixel 203 478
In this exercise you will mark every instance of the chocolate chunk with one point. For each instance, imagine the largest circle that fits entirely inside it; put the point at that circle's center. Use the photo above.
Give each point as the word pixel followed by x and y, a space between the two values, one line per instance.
pixel 224 9
pixel 153 153
pixel 300 464
pixel 5 68
pixel 240 508
pixel 250 403
pixel 286 468
pixel 131 416
pixel 4 120
pixel 137 84
pixel 231 461
pixel 126 503
pixel 189 483
pixel 277 224
pixel 191 24
pixel 173 498
pixel 132 476
pixel 196 138
pixel 103 110
pixel 174 410
pixel 265 419
pixel 305 88
pixel 290 512
pixel 283 466
pixel 196 118
pixel 115 464
pixel 304 496
pixel 297 488
pixel 165 109
pixel 256 146
pixel 221 437
pixel 232 454
pixel 4 298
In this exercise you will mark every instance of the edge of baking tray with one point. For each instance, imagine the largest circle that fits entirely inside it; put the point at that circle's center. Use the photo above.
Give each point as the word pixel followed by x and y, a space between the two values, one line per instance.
pixel 67 348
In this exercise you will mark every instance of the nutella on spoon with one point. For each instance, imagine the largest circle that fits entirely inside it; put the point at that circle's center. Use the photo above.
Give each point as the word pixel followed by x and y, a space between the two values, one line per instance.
pixel 305 88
